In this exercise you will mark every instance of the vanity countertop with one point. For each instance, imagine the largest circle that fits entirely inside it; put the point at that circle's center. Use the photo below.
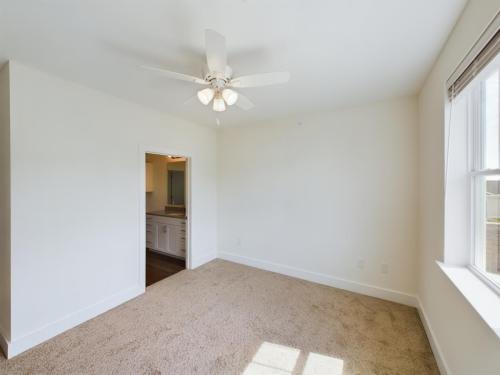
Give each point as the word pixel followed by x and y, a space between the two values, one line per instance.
pixel 175 215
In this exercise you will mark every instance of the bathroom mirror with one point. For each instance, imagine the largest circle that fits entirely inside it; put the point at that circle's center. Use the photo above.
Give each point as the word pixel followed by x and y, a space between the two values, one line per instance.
pixel 176 188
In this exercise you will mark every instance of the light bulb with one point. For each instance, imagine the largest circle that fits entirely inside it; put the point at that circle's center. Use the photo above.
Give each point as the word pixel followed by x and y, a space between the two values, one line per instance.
pixel 206 95
pixel 230 96
pixel 219 105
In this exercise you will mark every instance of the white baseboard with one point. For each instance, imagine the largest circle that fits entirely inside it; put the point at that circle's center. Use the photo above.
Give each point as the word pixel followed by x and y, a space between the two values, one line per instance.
pixel 352 286
pixel 436 349
pixel 28 341
pixel 202 260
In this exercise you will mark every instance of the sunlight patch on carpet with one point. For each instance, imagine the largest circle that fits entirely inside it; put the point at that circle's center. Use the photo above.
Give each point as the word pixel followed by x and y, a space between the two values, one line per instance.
pixel 274 359
pixel 318 364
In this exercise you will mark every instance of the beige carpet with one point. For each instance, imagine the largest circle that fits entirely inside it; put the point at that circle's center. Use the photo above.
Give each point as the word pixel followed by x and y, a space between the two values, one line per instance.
pixel 225 318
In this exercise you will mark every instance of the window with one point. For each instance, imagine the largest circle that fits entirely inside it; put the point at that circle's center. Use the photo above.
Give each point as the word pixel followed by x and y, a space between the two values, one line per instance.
pixel 484 172
pixel 471 257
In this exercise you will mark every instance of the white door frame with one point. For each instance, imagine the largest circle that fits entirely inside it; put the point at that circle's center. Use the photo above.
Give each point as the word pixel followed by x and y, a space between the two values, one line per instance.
pixel 143 150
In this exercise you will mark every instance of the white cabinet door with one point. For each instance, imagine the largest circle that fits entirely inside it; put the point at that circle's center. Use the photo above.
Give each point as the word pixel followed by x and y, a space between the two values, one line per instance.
pixel 151 234
pixel 174 240
pixel 166 235
pixel 163 238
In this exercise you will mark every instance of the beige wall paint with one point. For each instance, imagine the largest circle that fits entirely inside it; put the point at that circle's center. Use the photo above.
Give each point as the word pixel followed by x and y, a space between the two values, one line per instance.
pixel 176 166
pixel 467 345
pixel 5 264
pixel 157 199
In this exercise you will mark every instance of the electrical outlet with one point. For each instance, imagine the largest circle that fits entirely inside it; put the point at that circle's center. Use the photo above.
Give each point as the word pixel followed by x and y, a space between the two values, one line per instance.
pixel 361 264
pixel 384 268
pixel 238 242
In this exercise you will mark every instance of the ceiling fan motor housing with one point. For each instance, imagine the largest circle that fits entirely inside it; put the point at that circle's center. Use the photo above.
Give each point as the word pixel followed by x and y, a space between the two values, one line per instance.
pixel 216 79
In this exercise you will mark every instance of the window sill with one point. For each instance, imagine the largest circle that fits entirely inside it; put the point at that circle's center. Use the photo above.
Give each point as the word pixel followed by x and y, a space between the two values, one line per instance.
pixel 481 297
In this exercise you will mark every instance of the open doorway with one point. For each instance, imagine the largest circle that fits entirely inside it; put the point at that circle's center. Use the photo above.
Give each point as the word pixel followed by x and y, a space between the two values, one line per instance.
pixel 166 215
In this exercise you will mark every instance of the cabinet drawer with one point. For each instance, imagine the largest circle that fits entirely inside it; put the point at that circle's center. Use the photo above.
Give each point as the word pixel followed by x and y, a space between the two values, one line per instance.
pixel 165 220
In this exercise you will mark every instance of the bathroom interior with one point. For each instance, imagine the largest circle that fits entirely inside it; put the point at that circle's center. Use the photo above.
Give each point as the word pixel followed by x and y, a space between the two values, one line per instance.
pixel 166 216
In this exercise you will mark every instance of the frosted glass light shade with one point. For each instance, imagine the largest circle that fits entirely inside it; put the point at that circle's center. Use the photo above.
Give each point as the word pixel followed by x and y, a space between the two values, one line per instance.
pixel 206 95
pixel 219 105
pixel 230 96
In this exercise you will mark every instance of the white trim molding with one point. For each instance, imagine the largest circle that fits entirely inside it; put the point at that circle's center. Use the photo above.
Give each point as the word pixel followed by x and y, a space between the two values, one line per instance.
pixel 28 341
pixel 197 262
pixel 483 299
pixel 436 348
pixel 320 278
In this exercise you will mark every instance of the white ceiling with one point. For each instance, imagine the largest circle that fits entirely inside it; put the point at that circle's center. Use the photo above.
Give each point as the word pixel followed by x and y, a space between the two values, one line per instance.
pixel 339 52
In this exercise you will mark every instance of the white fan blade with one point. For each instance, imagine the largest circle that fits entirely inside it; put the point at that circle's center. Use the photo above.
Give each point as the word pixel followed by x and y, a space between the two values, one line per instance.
pixel 191 100
pixel 264 79
pixel 215 45
pixel 244 103
pixel 175 75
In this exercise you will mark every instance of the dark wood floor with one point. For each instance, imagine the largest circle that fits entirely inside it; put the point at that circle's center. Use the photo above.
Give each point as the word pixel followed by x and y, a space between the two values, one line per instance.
pixel 160 266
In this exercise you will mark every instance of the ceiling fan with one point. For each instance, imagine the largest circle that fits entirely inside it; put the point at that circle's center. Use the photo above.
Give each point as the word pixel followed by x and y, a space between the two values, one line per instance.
pixel 218 76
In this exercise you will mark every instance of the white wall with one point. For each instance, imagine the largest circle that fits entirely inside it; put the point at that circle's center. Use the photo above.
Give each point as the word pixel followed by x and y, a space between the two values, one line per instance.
pixel 320 196
pixel 76 173
pixel 4 205
pixel 467 345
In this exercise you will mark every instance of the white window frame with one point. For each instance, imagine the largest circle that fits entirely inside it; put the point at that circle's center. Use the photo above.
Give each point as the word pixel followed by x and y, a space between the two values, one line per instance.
pixel 477 174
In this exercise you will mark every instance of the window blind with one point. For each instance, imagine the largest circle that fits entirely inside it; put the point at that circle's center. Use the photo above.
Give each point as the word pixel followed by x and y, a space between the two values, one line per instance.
pixel 481 53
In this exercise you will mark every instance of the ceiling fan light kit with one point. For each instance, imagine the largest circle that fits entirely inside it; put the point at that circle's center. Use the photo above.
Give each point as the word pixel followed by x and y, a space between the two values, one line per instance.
pixel 219 104
pixel 206 95
pixel 219 77
pixel 229 96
